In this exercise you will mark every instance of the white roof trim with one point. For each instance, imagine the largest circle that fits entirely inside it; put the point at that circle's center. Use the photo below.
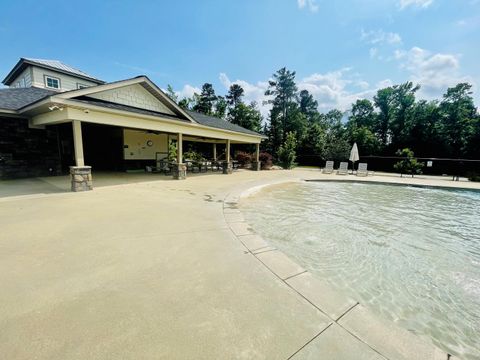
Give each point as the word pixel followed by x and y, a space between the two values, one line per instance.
pixel 118 84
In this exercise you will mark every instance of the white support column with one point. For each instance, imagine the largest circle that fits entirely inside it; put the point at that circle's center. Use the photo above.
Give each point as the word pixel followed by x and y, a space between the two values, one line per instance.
pixel 78 142
pixel 180 172
pixel 227 164
pixel 179 148
pixel 215 151
pixel 227 151
pixel 80 175
pixel 256 165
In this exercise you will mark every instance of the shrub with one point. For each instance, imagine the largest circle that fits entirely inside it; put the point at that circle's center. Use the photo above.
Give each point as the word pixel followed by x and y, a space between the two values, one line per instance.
pixel 409 165
pixel 172 151
pixel 287 152
pixel 192 155
pixel 266 159
pixel 243 158
pixel 473 177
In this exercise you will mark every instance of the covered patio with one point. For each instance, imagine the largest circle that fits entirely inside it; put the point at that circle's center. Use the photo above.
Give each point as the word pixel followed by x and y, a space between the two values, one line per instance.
pixel 102 130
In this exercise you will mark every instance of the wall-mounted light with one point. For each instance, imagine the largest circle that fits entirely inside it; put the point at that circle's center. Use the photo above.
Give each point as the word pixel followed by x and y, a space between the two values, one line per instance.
pixel 55 107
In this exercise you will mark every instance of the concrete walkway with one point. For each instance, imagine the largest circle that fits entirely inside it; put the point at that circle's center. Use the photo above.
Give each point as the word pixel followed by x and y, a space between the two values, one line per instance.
pixel 169 270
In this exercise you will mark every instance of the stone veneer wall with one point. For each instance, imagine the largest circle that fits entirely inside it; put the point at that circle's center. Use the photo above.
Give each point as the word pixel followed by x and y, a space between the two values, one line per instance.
pixel 26 152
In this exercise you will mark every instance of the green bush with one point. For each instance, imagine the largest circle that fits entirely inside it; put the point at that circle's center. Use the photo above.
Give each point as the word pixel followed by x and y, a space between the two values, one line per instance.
pixel 172 151
pixel 287 152
pixel 409 165
pixel 473 177
pixel 193 156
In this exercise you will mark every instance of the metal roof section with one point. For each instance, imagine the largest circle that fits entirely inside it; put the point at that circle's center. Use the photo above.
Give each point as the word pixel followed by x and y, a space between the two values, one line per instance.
pixel 54 65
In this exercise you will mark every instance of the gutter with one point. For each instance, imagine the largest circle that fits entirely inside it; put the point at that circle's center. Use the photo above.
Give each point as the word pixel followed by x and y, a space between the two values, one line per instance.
pixel 81 106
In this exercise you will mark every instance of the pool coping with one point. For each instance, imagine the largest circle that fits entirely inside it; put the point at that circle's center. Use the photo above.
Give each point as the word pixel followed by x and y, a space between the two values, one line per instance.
pixel 378 336
pixel 454 187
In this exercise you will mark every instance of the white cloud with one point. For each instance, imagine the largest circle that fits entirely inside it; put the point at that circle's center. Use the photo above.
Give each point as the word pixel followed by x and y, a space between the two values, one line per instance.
pixel 384 84
pixel 252 92
pixel 373 53
pixel 469 23
pixel 310 4
pixel 378 37
pixel 336 89
pixel 188 91
pixel 434 72
pixel 333 90
pixel 415 3
pixel 339 89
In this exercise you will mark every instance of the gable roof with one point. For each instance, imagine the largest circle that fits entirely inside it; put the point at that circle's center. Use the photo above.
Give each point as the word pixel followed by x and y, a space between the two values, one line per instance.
pixel 116 106
pixel 142 80
pixel 17 98
pixel 218 123
pixel 201 119
pixel 54 65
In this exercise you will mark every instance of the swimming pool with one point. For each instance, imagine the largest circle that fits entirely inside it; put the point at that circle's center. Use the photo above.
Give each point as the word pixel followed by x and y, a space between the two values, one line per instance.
pixel 410 254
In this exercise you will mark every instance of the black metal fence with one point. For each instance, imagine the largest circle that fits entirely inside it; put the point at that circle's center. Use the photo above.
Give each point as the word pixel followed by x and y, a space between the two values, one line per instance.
pixel 431 166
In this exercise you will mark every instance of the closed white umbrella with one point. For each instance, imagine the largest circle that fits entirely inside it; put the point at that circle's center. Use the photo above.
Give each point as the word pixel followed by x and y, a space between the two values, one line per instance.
pixel 354 156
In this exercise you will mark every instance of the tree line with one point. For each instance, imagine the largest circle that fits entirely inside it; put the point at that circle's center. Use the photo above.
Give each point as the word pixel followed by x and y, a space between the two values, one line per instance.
pixel 230 107
pixel 395 119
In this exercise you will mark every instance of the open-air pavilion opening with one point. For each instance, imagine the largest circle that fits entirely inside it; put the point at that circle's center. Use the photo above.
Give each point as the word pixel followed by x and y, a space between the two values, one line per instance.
pixel 124 126
pixel 109 148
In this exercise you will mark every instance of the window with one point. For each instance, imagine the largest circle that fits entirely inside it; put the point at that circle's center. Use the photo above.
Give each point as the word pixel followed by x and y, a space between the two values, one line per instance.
pixel 52 82
pixel 81 86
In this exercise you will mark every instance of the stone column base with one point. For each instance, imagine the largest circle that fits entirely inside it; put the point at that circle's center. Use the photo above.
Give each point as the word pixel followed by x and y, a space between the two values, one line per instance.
pixel 180 172
pixel 81 178
pixel 227 167
pixel 256 165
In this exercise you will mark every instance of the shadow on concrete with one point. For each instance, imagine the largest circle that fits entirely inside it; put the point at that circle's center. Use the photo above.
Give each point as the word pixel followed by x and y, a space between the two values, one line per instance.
pixel 61 184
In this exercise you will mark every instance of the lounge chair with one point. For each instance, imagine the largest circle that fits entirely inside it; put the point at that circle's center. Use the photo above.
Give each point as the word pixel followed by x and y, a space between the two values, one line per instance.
pixel 343 168
pixel 362 169
pixel 328 169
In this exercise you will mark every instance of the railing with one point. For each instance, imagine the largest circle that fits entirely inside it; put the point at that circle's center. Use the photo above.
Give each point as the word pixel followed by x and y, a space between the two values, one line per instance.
pixel 432 166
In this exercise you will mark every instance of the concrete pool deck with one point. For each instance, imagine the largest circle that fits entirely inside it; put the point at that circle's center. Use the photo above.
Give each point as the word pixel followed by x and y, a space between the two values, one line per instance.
pixel 169 269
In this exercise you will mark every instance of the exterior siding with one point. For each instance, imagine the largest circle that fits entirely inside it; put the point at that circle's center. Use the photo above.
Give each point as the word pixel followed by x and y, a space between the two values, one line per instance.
pixel 26 152
pixel 133 95
pixel 136 145
pixel 25 79
pixel 67 82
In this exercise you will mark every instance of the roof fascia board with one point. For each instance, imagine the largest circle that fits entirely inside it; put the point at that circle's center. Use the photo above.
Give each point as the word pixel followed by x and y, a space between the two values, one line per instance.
pixel 7 81
pixel 43 66
pixel 83 106
pixel 36 104
pixel 168 100
pixel 8 111
pixel 24 62
pixel 118 84
pixel 96 89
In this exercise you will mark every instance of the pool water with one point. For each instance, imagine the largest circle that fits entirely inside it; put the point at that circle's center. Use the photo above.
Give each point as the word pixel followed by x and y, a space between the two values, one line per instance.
pixel 410 254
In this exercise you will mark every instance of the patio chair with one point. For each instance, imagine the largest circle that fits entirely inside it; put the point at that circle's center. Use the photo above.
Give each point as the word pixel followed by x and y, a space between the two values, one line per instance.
pixel 328 169
pixel 362 169
pixel 164 166
pixel 343 168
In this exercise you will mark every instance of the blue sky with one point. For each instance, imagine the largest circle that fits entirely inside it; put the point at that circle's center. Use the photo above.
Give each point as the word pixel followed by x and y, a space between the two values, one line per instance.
pixel 341 50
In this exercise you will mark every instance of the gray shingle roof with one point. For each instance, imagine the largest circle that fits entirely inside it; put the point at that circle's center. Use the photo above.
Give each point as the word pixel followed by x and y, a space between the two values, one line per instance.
pixel 16 98
pixel 215 122
pixel 48 64
pixel 202 119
